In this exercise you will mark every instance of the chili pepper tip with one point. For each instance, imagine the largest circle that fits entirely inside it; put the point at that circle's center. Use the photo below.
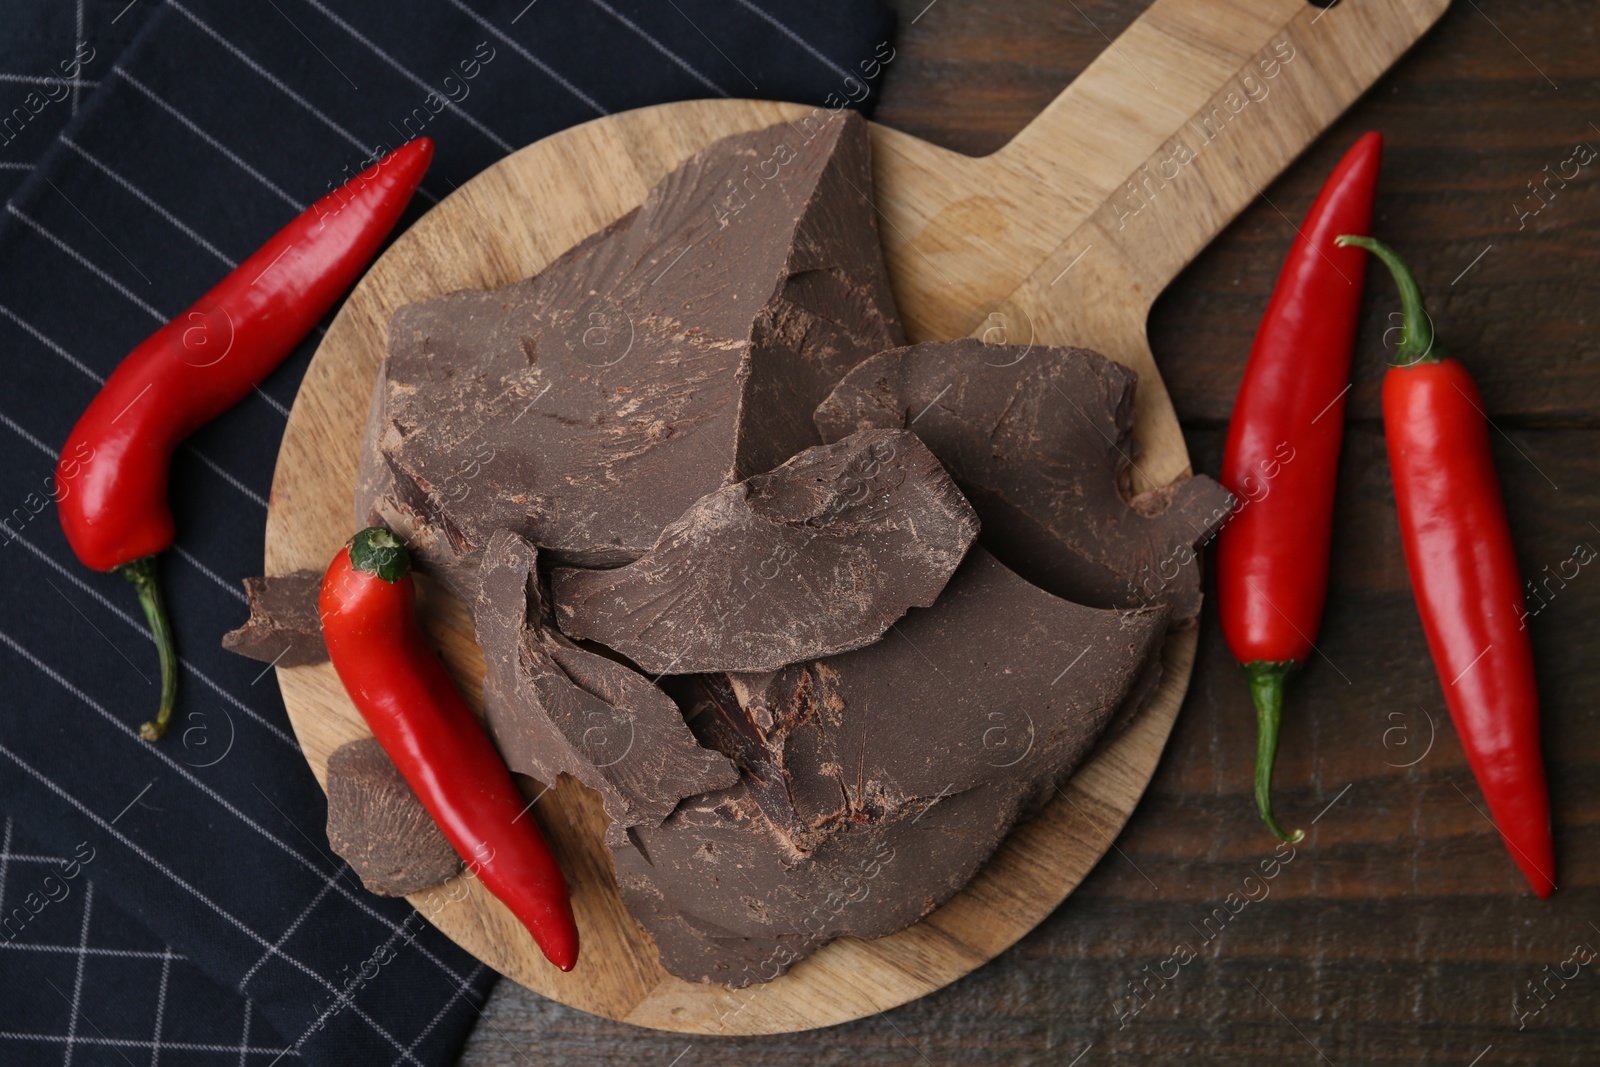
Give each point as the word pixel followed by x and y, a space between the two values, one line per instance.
pixel 379 551
pixel 1266 691
pixel 142 574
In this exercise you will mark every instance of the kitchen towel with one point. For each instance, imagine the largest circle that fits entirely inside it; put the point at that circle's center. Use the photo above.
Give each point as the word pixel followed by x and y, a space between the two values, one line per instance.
pixel 177 902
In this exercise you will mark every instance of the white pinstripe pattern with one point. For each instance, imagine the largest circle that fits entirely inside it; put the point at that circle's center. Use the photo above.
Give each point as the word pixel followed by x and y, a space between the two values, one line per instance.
pixel 21 432
pixel 395 64
pixel 244 1040
pixel 161 1008
pixel 270 78
pixel 77 47
pixel 797 39
pixel 131 1043
pixel 305 912
pixel 40 79
pixel 135 624
pixel 150 203
pixel 221 912
pixel 69 950
pixel 354 897
pixel 516 47
pixel 5 865
pixel 194 128
pixel 444 1010
pixel 77 981
pixel 221 582
pixel 272 402
pixel 8 165
pixel 677 60
pixel 84 262
pixel 33 332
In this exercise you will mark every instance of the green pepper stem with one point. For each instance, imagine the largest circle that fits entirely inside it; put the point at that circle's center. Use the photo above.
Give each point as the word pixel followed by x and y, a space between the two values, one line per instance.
pixel 1417 343
pixel 380 552
pixel 142 573
pixel 1267 682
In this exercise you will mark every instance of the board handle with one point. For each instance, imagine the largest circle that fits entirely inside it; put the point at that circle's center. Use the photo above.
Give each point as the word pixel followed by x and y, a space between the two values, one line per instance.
pixel 1195 109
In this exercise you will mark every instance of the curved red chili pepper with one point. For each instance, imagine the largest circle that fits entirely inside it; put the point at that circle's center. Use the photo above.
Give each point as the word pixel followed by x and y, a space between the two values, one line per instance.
pixel 204 362
pixel 1464 575
pixel 397 682
pixel 1282 456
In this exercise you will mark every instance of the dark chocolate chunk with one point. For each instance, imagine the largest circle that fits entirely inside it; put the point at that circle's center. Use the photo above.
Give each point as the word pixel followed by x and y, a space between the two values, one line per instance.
pixel 379 827
pixel 285 627
pixel 814 558
pixel 874 783
pixel 681 349
pixel 1038 440
pixel 555 708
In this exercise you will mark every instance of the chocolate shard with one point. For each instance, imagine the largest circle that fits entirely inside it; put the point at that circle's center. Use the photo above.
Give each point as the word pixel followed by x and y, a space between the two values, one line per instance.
pixel 555 708
pixel 379 827
pixel 681 349
pixel 814 558
pixel 285 626
pixel 1038 440
pixel 874 784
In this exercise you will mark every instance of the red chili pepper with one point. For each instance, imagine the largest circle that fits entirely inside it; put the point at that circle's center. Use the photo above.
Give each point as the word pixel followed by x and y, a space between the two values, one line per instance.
pixel 204 362
pixel 1464 575
pixel 369 622
pixel 1282 454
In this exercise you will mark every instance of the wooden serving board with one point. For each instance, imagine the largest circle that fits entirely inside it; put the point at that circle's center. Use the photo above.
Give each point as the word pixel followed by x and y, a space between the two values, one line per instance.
pixel 1066 235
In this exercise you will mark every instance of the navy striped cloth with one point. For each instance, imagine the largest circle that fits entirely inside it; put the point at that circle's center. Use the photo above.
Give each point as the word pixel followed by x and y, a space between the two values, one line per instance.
pixel 178 903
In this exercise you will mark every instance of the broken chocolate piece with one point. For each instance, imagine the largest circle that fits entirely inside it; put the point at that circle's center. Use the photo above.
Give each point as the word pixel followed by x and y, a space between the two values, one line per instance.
pixel 875 783
pixel 814 558
pixel 1038 440
pixel 379 827
pixel 554 708
pixel 679 350
pixel 285 627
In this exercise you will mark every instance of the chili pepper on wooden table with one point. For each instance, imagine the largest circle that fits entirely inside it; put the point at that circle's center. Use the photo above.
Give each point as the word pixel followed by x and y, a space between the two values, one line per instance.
pixel 1282 454
pixel 1464 574
pixel 369 621
pixel 202 363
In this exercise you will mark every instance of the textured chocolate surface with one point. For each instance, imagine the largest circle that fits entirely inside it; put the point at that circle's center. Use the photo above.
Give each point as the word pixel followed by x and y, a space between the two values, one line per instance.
pixel 554 708
pixel 284 626
pixel 1039 440
pixel 811 559
pixel 678 350
pixel 379 827
pixel 874 783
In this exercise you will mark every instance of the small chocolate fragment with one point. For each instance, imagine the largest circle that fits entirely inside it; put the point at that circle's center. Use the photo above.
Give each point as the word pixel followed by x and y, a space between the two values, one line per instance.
pixel 1038 440
pixel 285 627
pixel 814 558
pixel 875 783
pixel 678 350
pixel 555 708
pixel 379 827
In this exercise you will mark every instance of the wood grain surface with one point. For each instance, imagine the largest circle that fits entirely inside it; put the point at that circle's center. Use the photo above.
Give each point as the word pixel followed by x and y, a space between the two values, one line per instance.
pixel 1400 932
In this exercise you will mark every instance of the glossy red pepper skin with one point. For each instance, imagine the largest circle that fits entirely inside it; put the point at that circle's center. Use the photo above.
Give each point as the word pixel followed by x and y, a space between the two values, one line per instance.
pixel 1281 459
pixel 211 356
pixel 1464 575
pixel 403 691
pixel 204 362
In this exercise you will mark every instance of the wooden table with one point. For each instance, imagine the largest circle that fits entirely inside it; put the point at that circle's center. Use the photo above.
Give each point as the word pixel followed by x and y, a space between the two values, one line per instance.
pixel 1400 931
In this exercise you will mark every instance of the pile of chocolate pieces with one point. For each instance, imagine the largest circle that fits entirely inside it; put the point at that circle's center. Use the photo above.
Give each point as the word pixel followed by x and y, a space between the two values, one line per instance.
pixel 818 614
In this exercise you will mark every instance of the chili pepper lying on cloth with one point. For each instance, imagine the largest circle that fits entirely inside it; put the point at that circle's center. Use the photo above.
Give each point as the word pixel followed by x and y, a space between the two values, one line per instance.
pixel 369 621
pixel 1464 575
pixel 1282 456
pixel 200 365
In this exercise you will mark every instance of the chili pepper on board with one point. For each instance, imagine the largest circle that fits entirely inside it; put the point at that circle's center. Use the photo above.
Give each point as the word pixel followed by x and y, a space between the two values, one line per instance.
pixel 369 621
pixel 201 364
pixel 1282 453
pixel 1464 574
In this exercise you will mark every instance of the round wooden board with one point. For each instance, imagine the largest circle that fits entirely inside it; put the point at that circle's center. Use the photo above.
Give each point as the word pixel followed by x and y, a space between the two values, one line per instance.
pixel 943 217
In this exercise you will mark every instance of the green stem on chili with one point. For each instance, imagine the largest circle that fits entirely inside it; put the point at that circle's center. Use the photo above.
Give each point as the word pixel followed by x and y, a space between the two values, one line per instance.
pixel 1417 343
pixel 1267 681
pixel 142 574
